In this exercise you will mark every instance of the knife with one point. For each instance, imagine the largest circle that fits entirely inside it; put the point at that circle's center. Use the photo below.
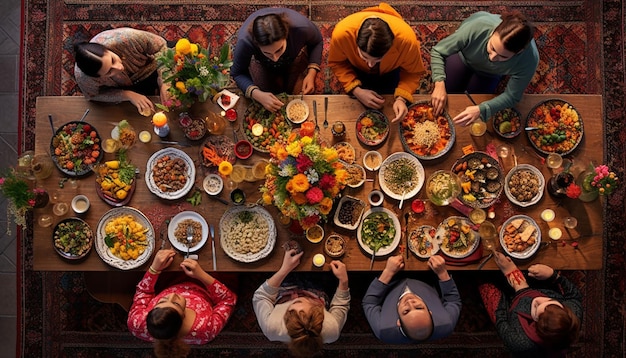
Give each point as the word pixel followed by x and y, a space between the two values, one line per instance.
pixel 174 143
pixel 212 231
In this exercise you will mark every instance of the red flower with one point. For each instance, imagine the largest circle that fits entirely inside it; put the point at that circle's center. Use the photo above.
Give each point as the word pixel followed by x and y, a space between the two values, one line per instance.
pixel 327 181
pixel 573 191
pixel 309 221
pixel 314 195
pixel 303 163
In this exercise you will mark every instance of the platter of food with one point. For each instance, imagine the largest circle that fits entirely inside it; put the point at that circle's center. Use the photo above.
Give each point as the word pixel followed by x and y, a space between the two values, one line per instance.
pixel 507 123
pixel 345 151
pixel 456 237
pixel 297 111
pixel 349 212
pixel 75 148
pixel 193 128
pixel 379 231
pixel 216 149
pixel 524 185
pixel 401 173
pixel 125 133
pixel 426 135
pixel 442 187
pixel 72 238
pixel 422 241
pixel 520 236
pixel 124 238
pixel 247 233
pixel 263 128
pixel 356 175
pixel 481 179
pixel 372 128
pixel 559 127
pixel 115 181
pixel 170 173
pixel 177 231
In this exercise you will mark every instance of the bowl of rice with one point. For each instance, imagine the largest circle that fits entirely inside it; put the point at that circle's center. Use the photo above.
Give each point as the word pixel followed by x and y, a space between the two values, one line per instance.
pixel 297 111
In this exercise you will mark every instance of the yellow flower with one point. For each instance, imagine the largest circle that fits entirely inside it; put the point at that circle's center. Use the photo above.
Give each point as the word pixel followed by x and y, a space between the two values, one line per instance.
pixel 225 168
pixel 341 175
pixel 183 46
pixel 294 149
pixel 300 183
pixel 181 86
pixel 325 205
pixel 194 49
pixel 281 154
pixel 306 140
pixel 267 198
pixel 330 154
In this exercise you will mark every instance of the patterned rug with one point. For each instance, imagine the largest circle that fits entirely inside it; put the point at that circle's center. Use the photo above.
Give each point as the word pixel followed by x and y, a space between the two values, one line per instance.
pixel 59 318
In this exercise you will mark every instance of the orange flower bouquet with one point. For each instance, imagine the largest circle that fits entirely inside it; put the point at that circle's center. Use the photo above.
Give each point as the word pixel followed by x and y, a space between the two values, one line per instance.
pixel 303 178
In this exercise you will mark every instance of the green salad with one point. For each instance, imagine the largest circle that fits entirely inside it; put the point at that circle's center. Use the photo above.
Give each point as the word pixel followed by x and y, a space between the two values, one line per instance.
pixel 378 231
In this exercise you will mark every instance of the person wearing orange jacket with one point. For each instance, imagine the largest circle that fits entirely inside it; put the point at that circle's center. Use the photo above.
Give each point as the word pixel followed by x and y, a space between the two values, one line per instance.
pixel 374 52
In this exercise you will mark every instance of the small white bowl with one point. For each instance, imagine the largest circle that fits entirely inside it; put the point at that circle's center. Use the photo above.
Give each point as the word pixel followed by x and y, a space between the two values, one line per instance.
pixel 376 197
pixel 80 204
pixel 213 184
pixel 362 171
pixel 370 160
pixel 305 114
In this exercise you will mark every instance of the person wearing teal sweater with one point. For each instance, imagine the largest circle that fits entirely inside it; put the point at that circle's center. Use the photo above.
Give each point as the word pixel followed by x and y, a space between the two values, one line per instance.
pixel 484 48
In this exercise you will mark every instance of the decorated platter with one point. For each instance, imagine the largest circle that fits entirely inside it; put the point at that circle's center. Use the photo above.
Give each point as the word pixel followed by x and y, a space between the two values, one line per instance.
pixel 524 185
pixel 507 122
pixel 372 128
pixel 72 238
pixel 481 179
pixel 559 127
pixel 215 149
pixel 345 151
pixel 425 135
pixel 422 241
pixel 119 226
pixel 247 233
pixel 297 111
pixel 520 236
pixel 380 226
pixel 456 237
pixel 75 148
pixel 110 185
pixel 401 172
pixel 263 128
pixel 348 213
pixel 170 173
pixel 177 229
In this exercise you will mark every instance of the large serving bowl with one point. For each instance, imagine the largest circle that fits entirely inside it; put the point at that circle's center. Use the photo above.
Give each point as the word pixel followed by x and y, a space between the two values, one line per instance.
pixel 442 187
pixel 75 148
pixel 401 175
pixel 559 127
pixel 524 185
pixel 379 227
pixel 456 237
pixel 177 231
pixel 372 128
pixel 528 232
pixel 297 111
pixel 175 163
pixel 425 135
pixel 72 238
pixel 481 179
pixel 507 123
pixel 247 233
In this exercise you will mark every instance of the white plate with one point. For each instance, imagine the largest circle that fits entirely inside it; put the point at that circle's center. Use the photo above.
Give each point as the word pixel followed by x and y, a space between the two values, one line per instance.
pixel 443 229
pixel 233 99
pixel 103 249
pixel 173 153
pixel 171 228
pixel 396 239
pixel 418 167
pixel 530 251
pixel 306 110
pixel 226 225
pixel 414 243
pixel 537 197
pixel 357 219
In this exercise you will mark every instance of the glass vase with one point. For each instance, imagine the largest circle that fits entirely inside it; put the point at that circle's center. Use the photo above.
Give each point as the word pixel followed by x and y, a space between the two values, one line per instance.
pixel 588 192
pixel 558 183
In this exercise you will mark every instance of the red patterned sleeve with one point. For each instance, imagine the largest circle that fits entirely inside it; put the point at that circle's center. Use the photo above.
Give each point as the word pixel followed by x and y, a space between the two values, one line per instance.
pixel 223 301
pixel 139 310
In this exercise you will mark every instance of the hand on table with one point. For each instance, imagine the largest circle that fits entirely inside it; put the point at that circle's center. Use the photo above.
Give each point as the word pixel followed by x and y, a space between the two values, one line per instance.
pixel 400 109
pixel 468 116
pixel 163 259
pixel 438 264
pixel 340 271
pixel 140 101
pixel 504 262
pixel 393 266
pixel 369 98
pixel 267 100
pixel 540 271
pixel 291 260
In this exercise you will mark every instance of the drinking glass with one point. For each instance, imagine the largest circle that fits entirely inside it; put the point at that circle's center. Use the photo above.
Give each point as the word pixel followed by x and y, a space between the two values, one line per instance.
pixel 487 231
pixel 42 166
pixel 478 128
pixel 45 220
pixel 570 222
pixel 478 216
pixel 238 174
pixel 60 208
pixel 554 160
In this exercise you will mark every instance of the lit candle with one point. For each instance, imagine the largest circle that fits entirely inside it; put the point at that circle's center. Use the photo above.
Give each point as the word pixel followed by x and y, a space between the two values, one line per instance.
pixel 547 215
pixel 555 233
pixel 159 120
pixel 319 260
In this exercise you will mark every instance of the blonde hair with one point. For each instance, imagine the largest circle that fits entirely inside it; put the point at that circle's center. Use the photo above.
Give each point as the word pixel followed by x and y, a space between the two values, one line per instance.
pixel 305 331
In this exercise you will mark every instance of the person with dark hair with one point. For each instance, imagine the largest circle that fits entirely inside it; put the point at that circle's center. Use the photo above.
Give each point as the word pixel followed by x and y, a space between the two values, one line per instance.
pixel 120 65
pixel 534 322
pixel 404 311
pixel 374 52
pixel 477 55
pixel 190 309
pixel 301 316
pixel 278 50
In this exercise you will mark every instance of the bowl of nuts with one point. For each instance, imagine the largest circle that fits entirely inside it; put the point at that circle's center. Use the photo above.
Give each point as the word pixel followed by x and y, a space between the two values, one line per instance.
pixel 524 185
pixel 335 246
pixel 349 212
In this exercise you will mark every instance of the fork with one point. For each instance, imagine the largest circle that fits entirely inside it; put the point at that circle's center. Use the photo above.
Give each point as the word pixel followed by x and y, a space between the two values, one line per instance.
pixel 325 112
pixel 317 126
pixel 189 239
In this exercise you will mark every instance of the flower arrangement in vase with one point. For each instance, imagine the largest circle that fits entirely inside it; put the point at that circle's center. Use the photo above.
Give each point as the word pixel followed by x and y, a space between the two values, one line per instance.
pixel 598 180
pixel 303 177
pixel 21 197
pixel 193 73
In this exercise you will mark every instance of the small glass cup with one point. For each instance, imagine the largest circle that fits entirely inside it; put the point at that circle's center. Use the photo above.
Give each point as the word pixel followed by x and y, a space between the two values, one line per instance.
pixel 72 183
pixel 554 160
pixel 478 128
pixel 60 208
pixel 478 216
pixel 487 230
pixel 570 222
pixel 45 220
pixel 548 215
pixel 42 166
pixel 338 129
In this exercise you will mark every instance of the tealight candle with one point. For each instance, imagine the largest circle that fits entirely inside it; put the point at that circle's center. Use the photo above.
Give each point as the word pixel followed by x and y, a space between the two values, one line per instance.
pixel 547 215
pixel 319 260
pixel 145 136
pixel 555 233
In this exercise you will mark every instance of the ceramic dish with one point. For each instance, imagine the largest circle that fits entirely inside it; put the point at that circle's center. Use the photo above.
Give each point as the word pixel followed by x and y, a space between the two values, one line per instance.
pixel 297 111
pixel 507 123
pixel 226 99
pixel 180 164
pixel 481 179
pixel 422 241
pixel 104 251
pixel 425 135
pixel 372 128
pixel 215 149
pixel 356 175
pixel 174 225
pixel 104 179
pixel 335 246
pixel 372 219
pixel 525 229
pixel 396 171
pixel 243 149
pixel 554 133
pixel 345 151
pixel 524 185
pixel 72 238
pixel 213 184
pixel 372 160
pixel 248 241
pixel 75 148
pixel 456 237
pixel 442 187
pixel 348 213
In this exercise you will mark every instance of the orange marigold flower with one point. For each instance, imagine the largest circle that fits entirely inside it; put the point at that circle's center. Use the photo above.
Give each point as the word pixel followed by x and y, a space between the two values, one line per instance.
pixel 300 183
pixel 325 205
pixel 299 198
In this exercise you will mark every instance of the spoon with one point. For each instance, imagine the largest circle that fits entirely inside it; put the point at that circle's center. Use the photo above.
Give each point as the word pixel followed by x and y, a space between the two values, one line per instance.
pixel 84 115
pixel 407 184
pixel 189 238
pixel 531 128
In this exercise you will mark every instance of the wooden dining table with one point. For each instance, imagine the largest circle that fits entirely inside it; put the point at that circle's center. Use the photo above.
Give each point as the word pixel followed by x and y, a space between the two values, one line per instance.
pixel 579 248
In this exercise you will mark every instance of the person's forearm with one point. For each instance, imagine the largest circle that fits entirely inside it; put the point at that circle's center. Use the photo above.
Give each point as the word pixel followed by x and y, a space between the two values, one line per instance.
pixel 343 285
pixel 277 279
pixel 385 277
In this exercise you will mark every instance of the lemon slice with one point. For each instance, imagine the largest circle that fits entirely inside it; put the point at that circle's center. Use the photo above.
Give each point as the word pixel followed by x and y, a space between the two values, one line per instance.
pixel 257 129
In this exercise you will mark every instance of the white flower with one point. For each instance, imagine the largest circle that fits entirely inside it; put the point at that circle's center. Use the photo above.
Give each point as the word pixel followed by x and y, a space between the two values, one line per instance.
pixel 204 72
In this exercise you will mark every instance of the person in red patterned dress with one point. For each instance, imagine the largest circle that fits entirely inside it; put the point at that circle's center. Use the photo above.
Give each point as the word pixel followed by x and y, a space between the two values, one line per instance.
pixel 188 312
